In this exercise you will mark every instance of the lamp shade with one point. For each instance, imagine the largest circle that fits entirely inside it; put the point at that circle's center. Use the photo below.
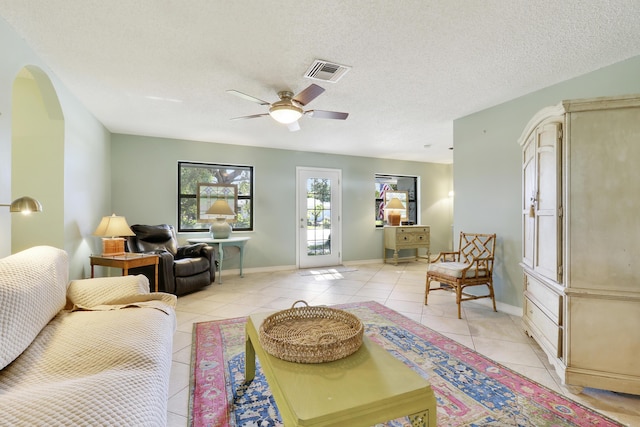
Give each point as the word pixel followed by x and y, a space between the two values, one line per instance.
pixel 113 226
pixel 394 203
pixel 25 205
pixel 220 208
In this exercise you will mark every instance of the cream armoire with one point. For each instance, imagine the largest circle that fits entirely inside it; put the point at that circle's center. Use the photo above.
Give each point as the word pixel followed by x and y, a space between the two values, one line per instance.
pixel 581 240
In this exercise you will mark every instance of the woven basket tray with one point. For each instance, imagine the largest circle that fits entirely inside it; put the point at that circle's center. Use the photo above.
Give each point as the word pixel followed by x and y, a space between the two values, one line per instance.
pixel 311 334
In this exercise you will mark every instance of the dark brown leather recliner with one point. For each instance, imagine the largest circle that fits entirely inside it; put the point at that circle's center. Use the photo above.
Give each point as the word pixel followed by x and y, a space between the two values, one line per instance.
pixel 181 269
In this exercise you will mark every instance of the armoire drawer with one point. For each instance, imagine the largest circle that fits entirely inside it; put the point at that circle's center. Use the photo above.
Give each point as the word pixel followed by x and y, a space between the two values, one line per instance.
pixel 551 331
pixel 548 300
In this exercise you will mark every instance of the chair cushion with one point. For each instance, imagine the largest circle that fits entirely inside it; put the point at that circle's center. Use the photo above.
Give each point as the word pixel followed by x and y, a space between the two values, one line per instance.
pixel 454 269
pixel 190 266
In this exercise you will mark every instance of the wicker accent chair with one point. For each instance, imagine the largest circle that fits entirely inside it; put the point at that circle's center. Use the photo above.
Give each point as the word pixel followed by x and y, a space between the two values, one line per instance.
pixel 472 265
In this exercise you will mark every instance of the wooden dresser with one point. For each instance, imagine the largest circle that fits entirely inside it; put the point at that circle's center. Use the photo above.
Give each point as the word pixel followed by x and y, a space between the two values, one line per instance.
pixel 401 237
pixel 580 245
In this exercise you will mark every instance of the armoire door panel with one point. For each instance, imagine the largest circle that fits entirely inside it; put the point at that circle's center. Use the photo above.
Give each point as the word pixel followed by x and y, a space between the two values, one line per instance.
pixel 528 202
pixel 547 258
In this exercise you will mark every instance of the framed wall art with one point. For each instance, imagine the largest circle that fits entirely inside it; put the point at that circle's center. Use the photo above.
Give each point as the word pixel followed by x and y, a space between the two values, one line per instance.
pixel 403 196
pixel 208 194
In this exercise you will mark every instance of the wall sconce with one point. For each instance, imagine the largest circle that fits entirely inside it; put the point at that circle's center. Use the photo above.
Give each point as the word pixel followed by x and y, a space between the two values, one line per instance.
pixel 25 205
pixel 221 211
pixel 111 229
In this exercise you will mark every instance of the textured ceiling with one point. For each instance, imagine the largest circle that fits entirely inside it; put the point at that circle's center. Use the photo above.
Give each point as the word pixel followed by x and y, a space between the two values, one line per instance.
pixel 162 68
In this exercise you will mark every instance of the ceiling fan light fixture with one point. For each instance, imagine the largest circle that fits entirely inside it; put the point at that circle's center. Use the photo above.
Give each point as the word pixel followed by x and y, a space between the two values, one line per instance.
pixel 285 114
pixel 290 108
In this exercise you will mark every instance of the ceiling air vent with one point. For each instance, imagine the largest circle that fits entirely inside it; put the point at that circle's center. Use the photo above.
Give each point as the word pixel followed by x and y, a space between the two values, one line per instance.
pixel 326 71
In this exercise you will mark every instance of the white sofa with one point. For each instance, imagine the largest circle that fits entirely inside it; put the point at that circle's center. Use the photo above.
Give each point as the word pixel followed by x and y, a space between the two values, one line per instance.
pixel 92 352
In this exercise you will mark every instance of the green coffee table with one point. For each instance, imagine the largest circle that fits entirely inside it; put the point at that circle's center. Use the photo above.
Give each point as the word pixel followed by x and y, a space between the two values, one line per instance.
pixel 368 387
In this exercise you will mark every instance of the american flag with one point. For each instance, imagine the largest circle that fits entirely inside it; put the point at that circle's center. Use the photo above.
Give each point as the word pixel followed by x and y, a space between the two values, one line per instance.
pixel 383 189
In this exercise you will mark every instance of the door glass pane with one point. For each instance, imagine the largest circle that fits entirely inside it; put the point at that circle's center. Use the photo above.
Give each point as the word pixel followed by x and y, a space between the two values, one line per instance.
pixel 318 216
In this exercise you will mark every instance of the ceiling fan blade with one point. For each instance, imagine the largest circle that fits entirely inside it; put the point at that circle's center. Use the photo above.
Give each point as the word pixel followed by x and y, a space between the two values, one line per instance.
pixel 321 114
pixel 253 116
pixel 248 97
pixel 309 94
pixel 295 126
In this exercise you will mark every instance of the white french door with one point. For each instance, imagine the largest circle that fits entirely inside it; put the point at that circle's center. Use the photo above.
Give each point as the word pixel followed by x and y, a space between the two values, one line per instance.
pixel 319 207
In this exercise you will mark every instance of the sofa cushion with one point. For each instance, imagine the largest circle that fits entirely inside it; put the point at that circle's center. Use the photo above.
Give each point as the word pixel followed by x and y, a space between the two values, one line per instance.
pixel 92 368
pixel 24 278
pixel 102 290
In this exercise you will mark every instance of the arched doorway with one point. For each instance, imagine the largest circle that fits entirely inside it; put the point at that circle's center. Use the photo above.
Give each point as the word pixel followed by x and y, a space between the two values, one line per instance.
pixel 37 159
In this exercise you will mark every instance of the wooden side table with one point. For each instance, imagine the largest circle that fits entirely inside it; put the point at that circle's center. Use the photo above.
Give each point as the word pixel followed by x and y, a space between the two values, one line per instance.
pixel 127 261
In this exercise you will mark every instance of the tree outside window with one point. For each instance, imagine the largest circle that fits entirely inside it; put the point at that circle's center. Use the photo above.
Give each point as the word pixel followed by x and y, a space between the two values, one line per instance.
pixel 191 175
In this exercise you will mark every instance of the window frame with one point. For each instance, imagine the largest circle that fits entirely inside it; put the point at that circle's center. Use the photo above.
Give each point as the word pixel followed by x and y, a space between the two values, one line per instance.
pixel 413 207
pixel 243 199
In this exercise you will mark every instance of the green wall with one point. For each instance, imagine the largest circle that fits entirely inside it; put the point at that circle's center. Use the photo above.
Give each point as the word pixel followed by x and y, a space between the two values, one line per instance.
pixel 487 160
pixel 37 156
pixel 73 174
pixel 144 190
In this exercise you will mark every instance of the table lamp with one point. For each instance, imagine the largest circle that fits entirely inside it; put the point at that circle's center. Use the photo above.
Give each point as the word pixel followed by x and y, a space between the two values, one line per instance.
pixel 394 207
pixel 221 211
pixel 111 229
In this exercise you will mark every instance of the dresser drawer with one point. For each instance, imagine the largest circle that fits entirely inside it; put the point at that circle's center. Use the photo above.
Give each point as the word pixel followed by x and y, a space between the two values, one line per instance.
pixel 412 235
pixel 402 238
pixel 545 297
pixel 551 331
pixel 414 229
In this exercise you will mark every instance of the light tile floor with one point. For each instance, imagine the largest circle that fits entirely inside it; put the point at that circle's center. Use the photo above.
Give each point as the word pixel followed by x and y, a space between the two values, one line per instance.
pixel 498 336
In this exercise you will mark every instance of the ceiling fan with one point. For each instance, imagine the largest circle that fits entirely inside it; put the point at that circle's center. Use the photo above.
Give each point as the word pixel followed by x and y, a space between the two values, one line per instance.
pixel 289 108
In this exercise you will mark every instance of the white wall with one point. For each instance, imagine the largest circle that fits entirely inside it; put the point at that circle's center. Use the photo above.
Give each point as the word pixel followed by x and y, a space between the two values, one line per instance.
pixel 144 182
pixel 86 161
pixel 487 170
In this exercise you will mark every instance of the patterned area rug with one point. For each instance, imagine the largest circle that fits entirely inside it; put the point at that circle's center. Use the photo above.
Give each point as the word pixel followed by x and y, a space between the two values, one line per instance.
pixel 470 389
